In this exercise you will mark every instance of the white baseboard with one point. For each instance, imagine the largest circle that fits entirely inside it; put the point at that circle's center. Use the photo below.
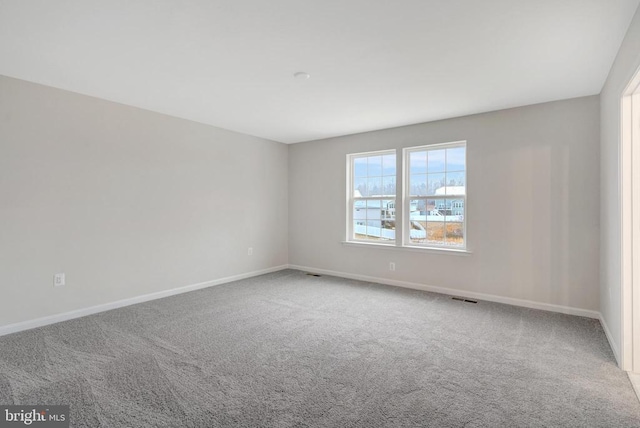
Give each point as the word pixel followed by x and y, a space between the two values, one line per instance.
pixel 634 378
pixel 40 322
pixel 612 344
pixel 455 292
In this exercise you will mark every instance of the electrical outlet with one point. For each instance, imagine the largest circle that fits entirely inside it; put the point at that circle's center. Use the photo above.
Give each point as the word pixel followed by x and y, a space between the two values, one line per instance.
pixel 58 279
pixel 392 266
pixel 250 251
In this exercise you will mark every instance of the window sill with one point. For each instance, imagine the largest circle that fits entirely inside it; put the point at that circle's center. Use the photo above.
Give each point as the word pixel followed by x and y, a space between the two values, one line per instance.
pixel 435 250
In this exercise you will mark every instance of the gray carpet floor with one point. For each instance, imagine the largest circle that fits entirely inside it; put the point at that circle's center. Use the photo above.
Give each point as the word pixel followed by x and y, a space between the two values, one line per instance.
pixel 291 350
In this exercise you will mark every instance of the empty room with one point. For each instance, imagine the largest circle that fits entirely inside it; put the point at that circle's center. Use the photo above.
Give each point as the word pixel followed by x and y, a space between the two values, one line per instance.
pixel 320 214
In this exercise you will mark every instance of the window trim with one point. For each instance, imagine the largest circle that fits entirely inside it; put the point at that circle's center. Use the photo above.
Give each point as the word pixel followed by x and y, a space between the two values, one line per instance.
pixel 406 197
pixel 410 248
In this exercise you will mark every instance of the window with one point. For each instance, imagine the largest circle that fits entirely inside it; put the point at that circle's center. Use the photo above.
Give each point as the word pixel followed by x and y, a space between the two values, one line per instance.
pixel 434 195
pixel 372 196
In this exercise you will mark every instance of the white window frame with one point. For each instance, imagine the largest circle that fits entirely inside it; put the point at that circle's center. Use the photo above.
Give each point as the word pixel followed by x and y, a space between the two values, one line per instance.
pixel 351 199
pixel 406 196
pixel 403 199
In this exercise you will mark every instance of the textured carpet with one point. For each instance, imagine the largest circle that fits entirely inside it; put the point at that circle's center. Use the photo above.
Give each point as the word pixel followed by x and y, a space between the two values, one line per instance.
pixel 287 349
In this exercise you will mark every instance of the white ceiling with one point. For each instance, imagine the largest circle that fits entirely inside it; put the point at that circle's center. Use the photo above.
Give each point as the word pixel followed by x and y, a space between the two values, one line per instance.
pixel 374 63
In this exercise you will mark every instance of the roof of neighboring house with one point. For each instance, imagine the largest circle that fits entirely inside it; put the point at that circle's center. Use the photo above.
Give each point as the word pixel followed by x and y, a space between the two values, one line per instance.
pixel 450 190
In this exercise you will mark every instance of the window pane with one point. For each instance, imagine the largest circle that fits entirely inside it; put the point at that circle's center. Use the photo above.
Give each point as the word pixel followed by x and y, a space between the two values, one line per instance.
pixel 455 233
pixel 374 220
pixel 360 167
pixel 417 233
pixel 418 162
pixel 417 221
pixel 453 212
pixel 436 160
pixel 374 186
pixel 359 229
pixel 359 187
pixel 373 230
pixel 435 184
pixel 455 159
pixel 388 210
pixel 375 166
pixel 373 209
pixel 440 207
pixel 359 212
pixel 388 215
pixel 377 231
pixel 389 165
pixel 417 209
pixel 435 232
pixel 431 208
pixel 418 185
pixel 455 183
pixel 389 185
pixel 366 229
pixel 457 209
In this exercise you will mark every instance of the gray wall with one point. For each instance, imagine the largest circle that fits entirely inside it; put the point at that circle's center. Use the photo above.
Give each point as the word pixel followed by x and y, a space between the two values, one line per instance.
pixel 126 202
pixel 625 65
pixel 533 205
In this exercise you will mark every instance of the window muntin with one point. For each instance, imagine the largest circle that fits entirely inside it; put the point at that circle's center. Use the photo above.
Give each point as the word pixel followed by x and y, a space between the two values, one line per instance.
pixel 435 195
pixel 372 197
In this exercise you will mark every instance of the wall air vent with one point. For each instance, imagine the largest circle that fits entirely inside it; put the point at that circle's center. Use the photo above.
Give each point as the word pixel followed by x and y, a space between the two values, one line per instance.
pixel 462 299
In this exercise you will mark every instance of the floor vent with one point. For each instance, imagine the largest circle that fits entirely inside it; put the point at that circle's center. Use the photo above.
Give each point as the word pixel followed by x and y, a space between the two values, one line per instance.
pixel 312 274
pixel 462 299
